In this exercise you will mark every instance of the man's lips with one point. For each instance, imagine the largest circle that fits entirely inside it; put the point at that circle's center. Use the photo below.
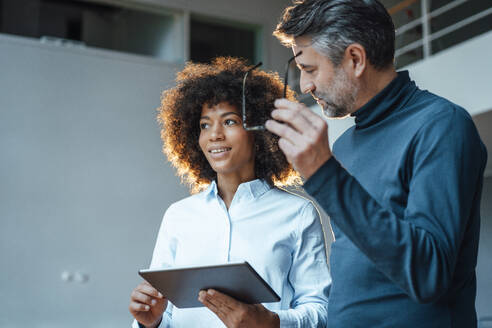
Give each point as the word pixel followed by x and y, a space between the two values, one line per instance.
pixel 318 99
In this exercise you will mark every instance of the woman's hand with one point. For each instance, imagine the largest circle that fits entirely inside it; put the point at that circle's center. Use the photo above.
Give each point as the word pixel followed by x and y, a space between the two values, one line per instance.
pixel 235 314
pixel 147 305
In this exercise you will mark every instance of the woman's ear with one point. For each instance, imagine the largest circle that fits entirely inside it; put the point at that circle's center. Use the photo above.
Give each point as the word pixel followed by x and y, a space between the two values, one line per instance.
pixel 355 59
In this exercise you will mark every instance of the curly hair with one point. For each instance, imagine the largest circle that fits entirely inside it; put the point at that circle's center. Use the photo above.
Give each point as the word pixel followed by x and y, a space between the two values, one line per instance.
pixel 211 84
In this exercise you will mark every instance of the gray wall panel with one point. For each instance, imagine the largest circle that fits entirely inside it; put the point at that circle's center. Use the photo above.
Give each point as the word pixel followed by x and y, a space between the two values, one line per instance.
pixel 83 182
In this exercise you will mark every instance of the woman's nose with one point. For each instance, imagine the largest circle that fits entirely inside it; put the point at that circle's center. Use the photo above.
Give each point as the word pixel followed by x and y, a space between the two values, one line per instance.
pixel 216 132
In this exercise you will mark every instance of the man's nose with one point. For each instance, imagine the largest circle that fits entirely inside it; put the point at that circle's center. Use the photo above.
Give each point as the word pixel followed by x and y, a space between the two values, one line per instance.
pixel 306 86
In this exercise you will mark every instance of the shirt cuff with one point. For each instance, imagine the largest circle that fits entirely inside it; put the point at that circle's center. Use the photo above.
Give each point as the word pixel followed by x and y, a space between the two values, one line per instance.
pixel 287 319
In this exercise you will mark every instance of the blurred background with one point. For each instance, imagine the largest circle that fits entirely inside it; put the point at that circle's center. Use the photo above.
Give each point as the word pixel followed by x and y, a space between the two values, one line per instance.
pixel 83 182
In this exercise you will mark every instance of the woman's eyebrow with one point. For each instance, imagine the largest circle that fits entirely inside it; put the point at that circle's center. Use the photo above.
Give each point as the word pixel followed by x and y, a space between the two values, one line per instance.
pixel 229 113
pixel 222 115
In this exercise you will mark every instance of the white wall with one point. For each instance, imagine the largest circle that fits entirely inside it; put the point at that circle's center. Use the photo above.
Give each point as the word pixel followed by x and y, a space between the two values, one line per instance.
pixel 461 74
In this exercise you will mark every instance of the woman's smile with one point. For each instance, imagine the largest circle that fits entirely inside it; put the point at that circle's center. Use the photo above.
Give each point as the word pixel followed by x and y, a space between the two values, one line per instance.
pixel 219 153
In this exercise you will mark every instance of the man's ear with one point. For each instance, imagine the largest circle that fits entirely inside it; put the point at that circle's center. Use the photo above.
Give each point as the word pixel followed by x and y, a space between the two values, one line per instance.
pixel 355 59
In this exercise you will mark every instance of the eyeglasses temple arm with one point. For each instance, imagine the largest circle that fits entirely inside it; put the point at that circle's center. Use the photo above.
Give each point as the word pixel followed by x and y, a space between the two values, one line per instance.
pixel 286 77
pixel 244 96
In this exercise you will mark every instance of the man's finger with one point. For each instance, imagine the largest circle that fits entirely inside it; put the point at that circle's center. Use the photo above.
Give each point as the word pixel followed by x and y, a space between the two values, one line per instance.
pixel 284 131
pixel 294 118
pixel 288 149
pixel 308 114
pixel 283 103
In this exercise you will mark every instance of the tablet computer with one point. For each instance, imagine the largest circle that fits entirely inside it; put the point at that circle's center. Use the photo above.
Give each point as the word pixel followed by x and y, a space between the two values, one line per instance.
pixel 238 280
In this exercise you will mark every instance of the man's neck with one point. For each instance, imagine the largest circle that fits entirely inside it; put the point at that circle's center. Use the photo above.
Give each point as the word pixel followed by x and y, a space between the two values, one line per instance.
pixel 372 83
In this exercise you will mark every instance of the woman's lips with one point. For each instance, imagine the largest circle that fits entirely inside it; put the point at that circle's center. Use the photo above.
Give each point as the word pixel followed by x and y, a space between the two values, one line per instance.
pixel 218 153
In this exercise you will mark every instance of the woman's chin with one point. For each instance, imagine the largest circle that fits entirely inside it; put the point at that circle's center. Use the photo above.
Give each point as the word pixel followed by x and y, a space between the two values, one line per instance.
pixel 220 170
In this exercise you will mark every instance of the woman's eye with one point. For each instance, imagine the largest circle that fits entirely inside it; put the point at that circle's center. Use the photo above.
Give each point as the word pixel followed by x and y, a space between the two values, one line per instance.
pixel 230 122
pixel 203 126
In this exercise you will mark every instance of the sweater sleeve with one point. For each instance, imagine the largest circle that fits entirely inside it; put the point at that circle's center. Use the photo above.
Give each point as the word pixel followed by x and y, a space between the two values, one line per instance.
pixel 309 275
pixel 417 250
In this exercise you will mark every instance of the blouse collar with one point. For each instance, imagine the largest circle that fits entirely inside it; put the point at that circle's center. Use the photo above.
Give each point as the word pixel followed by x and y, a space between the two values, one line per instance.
pixel 254 189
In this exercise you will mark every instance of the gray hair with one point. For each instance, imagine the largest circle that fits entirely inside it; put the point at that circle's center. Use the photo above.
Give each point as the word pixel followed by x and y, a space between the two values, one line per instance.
pixel 333 25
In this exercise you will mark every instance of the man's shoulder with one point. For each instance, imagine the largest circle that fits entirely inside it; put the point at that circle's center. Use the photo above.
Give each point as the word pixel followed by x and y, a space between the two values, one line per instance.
pixel 442 123
pixel 431 107
pixel 439 113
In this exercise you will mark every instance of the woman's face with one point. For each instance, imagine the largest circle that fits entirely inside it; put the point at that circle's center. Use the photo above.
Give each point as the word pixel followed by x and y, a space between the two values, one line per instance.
pixel 226 145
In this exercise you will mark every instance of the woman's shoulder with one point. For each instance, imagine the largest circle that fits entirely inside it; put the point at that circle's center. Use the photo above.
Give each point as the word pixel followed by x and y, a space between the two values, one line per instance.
pixel 189 203
pixel 296 200
pixel 293 196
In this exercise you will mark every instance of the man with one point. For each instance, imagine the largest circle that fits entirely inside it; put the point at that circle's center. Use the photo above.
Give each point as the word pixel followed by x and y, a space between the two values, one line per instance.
pixel 402 187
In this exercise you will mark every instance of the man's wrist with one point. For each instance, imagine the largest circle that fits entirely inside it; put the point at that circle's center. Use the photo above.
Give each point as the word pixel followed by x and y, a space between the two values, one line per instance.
pixel 322 162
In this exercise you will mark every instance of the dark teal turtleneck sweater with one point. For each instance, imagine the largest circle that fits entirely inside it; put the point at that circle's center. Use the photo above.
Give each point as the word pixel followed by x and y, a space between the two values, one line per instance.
pixel 403 194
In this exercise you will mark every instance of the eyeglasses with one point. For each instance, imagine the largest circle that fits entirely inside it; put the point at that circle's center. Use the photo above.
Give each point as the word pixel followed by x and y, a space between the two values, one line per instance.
pixel 286 76
pixel 245 126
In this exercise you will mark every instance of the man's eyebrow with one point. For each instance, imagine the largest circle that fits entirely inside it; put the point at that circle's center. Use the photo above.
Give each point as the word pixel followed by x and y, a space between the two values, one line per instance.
pixel 303 66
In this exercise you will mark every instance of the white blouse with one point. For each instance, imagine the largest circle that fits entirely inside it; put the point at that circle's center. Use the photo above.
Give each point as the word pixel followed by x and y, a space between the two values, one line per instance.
pixel 278 233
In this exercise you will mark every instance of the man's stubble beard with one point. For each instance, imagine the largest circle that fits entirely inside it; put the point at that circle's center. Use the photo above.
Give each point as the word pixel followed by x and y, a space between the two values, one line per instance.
pixel 340 96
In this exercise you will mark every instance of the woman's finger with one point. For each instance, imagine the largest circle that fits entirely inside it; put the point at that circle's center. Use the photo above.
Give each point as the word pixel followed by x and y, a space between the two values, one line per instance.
pixel 138 307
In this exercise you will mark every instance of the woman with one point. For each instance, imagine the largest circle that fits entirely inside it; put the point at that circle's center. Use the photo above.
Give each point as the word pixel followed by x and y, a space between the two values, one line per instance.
pixel 239 214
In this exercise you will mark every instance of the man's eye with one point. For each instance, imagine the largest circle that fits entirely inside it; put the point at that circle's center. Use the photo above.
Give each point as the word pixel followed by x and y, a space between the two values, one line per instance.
pixel 203 126
pixel 230 122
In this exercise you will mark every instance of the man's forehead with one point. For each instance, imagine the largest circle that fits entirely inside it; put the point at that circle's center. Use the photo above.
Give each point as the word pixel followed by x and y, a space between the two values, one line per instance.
pixel 308 53
pixel 301 42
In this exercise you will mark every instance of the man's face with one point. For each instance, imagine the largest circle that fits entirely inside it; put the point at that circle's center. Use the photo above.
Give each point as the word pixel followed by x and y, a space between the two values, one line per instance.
pixel 331 86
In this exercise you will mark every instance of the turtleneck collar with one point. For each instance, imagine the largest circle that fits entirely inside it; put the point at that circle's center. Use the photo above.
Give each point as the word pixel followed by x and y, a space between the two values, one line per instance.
pixel 389 100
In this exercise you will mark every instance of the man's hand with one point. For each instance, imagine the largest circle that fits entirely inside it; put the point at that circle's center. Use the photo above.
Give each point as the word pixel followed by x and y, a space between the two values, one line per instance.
pixel 147 305
pixel 303 136
pixel 235 314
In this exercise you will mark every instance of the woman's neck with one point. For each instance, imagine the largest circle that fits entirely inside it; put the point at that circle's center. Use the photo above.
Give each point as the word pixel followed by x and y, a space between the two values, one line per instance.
pixel 227 185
